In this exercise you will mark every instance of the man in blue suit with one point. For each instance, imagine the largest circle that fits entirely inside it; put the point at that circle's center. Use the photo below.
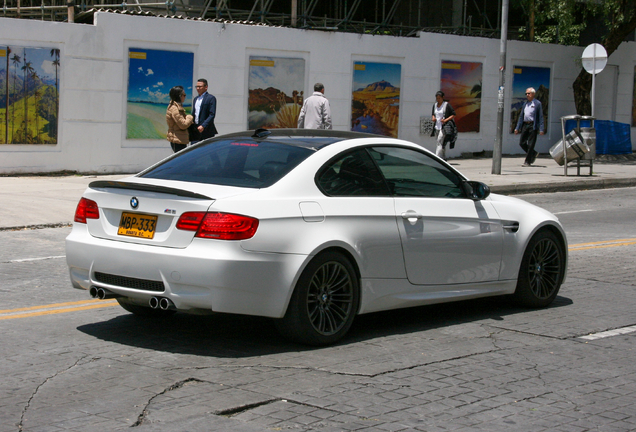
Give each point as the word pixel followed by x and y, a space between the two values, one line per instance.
pixel 530 122
pixel 203 111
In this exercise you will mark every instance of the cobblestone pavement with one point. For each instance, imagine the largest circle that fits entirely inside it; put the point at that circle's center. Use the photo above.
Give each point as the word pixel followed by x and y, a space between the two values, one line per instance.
pixel 469 366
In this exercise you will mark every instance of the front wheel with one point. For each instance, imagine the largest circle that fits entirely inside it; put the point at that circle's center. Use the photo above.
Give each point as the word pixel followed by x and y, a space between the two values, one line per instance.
pixel 324 303
pixel 542 271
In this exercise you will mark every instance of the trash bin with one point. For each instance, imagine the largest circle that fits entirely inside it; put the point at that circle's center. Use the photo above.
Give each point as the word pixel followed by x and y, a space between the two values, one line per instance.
pixel 580 144
pixel 575 145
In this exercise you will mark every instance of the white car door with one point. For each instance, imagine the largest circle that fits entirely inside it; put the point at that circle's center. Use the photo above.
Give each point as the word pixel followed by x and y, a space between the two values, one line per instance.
pixel 446 237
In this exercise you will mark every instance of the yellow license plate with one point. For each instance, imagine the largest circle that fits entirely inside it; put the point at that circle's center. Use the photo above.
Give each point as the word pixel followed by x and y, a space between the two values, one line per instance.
pixel 137 225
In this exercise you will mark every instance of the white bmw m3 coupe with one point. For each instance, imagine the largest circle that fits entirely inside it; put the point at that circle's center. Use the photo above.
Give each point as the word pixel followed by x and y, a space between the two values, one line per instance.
pixel 310 228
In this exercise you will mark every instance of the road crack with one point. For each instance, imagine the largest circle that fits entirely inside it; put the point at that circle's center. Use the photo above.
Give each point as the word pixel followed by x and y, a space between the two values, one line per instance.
pixel 28 404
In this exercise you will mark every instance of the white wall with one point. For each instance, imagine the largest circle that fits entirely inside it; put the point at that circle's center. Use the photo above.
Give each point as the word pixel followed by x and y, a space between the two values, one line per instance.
pixel 92 116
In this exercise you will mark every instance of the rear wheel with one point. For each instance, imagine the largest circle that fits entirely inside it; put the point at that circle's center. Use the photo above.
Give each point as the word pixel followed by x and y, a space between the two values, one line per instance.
pixel 145 311
pixel 324 303
pixel 542 271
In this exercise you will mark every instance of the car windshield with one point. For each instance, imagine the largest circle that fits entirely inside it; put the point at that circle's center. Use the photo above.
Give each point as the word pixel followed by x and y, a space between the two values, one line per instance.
pixel 242 162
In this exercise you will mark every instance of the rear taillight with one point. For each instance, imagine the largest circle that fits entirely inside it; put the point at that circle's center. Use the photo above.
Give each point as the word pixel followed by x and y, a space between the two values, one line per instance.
pixel 86 209
pixel 221 226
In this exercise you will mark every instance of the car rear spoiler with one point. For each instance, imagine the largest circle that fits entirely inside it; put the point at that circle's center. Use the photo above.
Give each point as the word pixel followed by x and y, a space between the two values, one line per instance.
pixel 100 184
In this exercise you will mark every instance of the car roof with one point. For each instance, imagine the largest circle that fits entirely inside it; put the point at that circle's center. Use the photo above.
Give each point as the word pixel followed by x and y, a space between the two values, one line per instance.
pixel 308 138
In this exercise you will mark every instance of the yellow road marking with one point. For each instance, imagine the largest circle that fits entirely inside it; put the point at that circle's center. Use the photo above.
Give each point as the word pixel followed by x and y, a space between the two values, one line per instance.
pixel 55 308
pixel 602 244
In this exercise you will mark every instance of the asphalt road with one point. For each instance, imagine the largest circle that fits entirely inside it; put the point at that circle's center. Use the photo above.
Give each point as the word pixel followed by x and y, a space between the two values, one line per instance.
pixel 70 363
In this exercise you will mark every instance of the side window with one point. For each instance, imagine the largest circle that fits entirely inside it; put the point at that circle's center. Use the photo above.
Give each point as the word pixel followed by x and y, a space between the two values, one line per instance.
pixel 352 174
pixel 410 173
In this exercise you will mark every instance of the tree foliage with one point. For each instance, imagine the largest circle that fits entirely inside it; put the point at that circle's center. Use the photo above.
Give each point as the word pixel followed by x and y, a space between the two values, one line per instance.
pixel 564 21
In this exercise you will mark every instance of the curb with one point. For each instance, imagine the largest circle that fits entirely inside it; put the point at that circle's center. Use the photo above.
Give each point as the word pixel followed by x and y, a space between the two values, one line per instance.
pixel 583 184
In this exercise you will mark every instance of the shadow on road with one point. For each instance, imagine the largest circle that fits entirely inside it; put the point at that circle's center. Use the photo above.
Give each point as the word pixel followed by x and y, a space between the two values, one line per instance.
pixel 237 336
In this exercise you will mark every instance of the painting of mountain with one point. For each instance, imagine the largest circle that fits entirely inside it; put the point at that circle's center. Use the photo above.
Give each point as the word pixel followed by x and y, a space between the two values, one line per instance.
pixel 461 84
pixel 275 92
pixel 29 99
pixel 375 106
pixel 523 78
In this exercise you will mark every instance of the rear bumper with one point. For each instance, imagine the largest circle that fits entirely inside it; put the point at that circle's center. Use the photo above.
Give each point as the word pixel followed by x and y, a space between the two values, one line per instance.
pixel 209 274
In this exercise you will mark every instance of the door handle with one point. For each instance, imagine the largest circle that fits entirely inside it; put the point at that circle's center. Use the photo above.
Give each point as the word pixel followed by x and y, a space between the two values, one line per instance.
pixel 411 216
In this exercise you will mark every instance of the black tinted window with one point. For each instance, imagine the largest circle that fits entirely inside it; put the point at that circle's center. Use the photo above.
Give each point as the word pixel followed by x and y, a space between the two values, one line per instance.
pixel 411 173
pixel 352 174
pixel 243 162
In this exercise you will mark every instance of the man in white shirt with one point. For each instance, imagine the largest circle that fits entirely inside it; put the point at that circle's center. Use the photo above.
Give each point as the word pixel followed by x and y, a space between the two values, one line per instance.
pixel 315 113
pixel 530 122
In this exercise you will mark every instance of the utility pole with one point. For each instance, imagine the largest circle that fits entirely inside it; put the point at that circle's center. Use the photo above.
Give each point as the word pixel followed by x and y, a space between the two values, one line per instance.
pixel 496 154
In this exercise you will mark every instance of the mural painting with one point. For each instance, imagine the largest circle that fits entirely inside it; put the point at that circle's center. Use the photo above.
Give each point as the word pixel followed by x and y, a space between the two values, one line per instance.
pixel 524 77
pixel 275 92
pixel 461 84
pixel 375 106
pixel 151 75
pixel 29 95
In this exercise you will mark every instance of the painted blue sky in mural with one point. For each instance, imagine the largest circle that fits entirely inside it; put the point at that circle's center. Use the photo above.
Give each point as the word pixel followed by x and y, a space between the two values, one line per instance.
pixel 150 79
pixel 527 76
pixel 375 72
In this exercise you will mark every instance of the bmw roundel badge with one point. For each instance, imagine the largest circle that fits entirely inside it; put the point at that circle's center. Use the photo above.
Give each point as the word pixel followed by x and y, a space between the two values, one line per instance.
pixel 134 202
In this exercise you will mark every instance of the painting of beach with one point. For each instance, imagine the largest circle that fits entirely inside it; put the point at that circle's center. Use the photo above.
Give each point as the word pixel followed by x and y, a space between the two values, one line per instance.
pixel 523 78
pixel 151 75
pixel 29 95
pixel 375 106
pixel 461 84
pixel 275 92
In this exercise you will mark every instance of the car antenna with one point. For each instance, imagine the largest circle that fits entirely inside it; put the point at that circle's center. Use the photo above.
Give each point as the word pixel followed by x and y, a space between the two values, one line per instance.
pixel 261 133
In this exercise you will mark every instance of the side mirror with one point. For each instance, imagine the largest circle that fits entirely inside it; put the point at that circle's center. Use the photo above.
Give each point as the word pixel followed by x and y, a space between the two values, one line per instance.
pixel 476 190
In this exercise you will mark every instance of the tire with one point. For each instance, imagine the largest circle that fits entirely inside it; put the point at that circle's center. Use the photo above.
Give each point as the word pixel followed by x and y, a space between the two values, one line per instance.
pixel 143 311
pixel 324 303
pixel 541 272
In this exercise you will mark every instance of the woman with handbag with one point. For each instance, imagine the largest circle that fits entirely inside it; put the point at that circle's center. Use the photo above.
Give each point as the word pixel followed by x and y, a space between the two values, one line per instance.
pixel 178 121
pixel 443 115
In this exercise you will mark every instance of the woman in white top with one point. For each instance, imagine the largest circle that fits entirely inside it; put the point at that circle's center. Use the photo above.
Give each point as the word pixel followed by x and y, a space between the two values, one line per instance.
pixel 441 114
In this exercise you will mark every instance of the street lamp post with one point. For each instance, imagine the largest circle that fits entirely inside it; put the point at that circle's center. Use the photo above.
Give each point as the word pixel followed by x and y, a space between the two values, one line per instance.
pixel 497 150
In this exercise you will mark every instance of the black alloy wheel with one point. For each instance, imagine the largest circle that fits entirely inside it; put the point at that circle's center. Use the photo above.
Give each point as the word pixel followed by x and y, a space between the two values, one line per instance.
pixel 542 270
pixel 324 303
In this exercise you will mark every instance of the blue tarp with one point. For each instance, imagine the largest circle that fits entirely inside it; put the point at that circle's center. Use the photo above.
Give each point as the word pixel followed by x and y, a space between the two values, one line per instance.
pixel 612 137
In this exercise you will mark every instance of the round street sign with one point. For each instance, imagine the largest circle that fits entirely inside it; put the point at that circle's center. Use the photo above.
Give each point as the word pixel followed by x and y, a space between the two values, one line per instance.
pixel 594 58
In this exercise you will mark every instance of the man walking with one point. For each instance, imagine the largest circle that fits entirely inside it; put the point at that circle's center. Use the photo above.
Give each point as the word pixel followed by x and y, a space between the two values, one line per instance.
pixel 315 113
pixel 530 122
pixel 204 111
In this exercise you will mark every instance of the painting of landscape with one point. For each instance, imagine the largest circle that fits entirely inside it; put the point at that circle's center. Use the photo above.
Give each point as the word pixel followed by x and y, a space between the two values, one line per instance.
pixel 524 77
pixel 29 95
pixel 151 75
pixel 275 92
pixel 375 106
pixel 461 84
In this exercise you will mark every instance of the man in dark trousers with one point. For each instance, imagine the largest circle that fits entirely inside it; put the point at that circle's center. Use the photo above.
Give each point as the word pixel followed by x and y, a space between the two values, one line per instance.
pixel 530 122
pixel 204 111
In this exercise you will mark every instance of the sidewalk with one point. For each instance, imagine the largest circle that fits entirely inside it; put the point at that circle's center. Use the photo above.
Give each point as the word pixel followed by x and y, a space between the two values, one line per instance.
pixel 48 201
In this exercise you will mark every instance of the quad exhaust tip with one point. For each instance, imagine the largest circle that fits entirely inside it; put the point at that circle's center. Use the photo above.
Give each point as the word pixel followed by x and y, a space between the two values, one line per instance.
pixel 161 303
pixel 101 293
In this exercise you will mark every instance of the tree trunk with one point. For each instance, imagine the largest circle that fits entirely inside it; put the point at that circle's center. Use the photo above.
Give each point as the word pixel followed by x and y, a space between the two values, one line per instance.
pixel 582 88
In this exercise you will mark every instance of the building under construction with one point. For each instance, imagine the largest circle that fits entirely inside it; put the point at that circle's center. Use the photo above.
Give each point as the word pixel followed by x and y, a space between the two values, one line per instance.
pixel 387 17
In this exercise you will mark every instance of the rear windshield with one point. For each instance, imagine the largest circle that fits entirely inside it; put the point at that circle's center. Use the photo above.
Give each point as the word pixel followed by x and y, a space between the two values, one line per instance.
pixel 232 162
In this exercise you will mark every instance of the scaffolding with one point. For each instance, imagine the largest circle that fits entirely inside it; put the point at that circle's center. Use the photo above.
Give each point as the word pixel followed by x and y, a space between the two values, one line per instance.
pixel 388 17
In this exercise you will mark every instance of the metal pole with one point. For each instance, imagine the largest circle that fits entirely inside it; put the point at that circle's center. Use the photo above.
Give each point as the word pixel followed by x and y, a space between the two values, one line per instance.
pixel 496 154
pixel 593 76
